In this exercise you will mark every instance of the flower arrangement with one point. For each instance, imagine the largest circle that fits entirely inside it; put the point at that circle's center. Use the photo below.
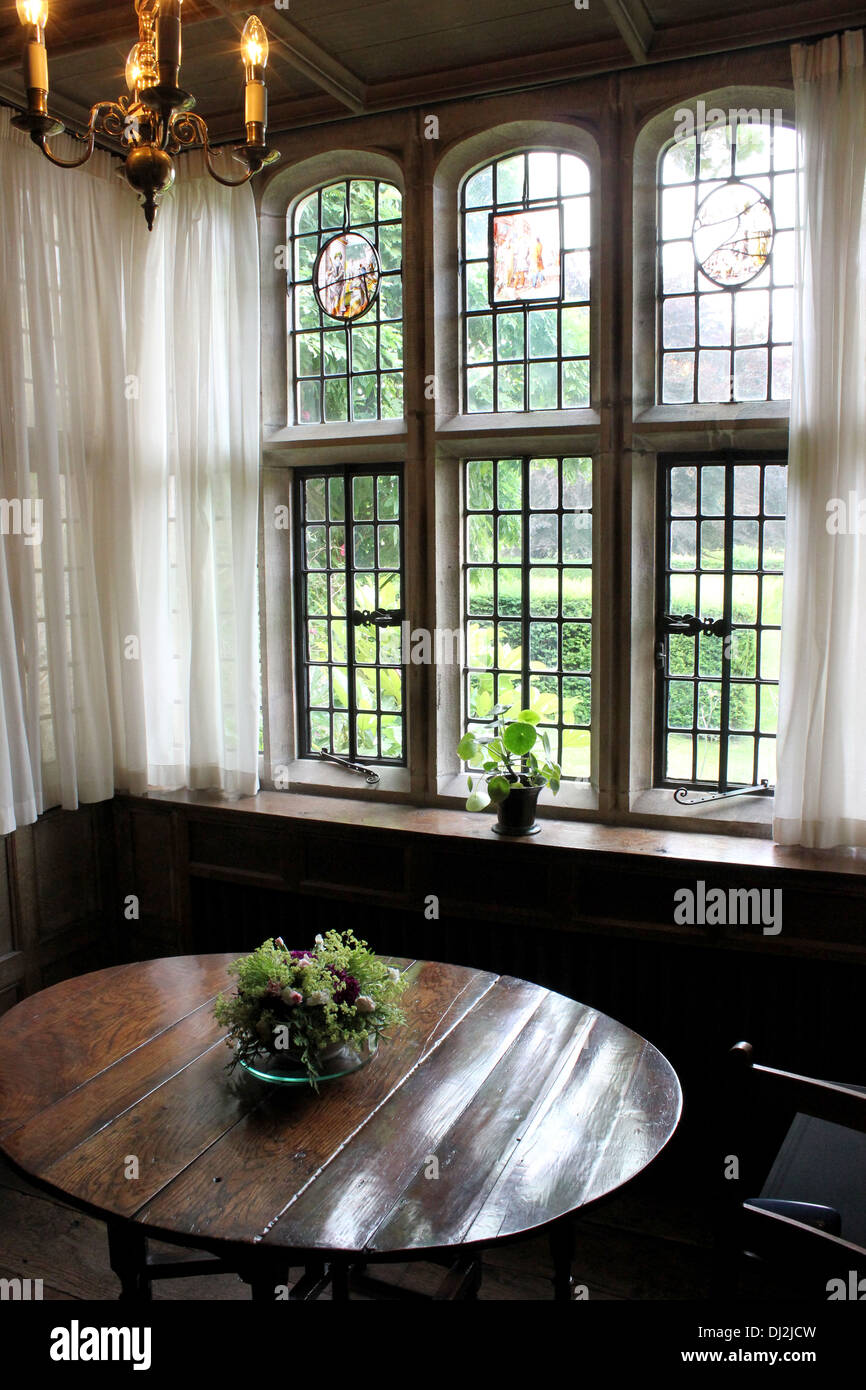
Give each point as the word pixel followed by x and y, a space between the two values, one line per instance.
pixel 298 1004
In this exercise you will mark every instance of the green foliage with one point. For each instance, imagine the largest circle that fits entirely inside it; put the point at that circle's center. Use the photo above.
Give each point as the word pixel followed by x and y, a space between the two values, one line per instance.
pixel 508 756
pixel 338 991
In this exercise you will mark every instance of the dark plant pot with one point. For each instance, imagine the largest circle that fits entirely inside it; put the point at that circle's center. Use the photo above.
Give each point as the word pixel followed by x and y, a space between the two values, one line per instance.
pixel 516 814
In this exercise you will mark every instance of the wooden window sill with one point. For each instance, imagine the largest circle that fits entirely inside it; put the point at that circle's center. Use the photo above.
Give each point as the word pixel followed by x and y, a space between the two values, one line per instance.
pixel 584 837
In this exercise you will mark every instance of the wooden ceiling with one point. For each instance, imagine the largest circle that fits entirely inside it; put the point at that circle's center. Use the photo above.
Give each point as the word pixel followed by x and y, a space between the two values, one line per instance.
pixel 330 58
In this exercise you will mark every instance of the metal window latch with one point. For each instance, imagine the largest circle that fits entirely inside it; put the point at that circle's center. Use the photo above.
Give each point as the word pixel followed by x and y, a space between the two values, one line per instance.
pixel 687 625
pixel 369 776
pixel 379 617
pixel 683 797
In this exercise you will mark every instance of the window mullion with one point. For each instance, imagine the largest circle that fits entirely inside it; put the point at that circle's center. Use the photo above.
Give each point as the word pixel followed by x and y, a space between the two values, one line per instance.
pixel 524 583
pixel 727 611
pixel 351 693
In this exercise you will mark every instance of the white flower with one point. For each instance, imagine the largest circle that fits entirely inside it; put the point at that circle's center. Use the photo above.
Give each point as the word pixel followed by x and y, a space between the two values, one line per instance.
pixel 317 997
pixel 291 996
pixel 364 1004
pixel 394 974
pixel 319 940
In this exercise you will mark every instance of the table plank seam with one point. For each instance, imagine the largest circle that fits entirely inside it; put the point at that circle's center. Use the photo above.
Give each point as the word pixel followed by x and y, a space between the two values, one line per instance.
pixel 10 1132
pixel 539 1107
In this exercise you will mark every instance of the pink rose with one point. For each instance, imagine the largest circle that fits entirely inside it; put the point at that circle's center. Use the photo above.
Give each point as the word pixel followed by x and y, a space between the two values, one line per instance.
pixel 364 1004
pixel 291 996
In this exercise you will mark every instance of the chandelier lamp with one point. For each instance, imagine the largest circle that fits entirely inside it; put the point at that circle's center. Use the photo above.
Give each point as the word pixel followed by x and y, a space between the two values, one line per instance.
pixel 156 120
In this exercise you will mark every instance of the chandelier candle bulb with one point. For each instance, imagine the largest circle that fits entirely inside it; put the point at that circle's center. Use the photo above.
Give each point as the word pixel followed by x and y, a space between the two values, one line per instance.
pixel 36 66
pixel 254 52
pixel 256 110
pixel 33 15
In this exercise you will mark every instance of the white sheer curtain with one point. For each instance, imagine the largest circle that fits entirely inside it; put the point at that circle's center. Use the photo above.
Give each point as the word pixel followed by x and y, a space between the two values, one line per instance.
pixel 63 430
pixel 129 438
pixel 193 313
pixel 821 782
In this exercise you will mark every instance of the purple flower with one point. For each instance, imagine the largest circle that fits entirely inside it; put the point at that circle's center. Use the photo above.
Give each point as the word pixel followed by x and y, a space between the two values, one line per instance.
pixel 348 989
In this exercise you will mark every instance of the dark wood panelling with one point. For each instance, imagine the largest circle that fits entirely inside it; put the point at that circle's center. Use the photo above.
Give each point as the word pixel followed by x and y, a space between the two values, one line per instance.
pixel 248 849
pixel 5 902
pixel 56 890
pixel 365 865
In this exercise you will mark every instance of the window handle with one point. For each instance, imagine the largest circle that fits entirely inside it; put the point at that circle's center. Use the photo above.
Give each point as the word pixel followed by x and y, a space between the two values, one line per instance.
pixel 687 625
pixel 379 617
pixel 369 776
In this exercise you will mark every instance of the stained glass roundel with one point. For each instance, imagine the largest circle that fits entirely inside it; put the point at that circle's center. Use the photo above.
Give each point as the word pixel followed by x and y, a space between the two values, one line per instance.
pixel 346 276
pixel 733 233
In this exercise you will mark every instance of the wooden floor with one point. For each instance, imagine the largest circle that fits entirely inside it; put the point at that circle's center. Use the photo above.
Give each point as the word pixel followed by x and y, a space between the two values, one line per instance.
pixel 648 1242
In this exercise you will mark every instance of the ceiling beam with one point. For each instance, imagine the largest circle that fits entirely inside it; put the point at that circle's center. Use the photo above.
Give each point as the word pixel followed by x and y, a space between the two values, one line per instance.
pixel 634 24
pixel 306 57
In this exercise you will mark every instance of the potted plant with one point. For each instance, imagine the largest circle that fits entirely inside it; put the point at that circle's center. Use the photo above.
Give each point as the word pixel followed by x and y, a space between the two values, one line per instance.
pixel 513 773
pixel 296 1009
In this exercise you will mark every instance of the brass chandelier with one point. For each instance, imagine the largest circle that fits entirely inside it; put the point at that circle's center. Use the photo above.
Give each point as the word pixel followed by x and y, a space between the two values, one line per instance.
pixel 156 120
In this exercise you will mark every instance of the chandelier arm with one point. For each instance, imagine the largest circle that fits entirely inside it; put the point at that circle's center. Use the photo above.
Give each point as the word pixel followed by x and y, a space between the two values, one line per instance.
pixel 42 142
pixel 227 183
pixel 191 120
pixel 99 112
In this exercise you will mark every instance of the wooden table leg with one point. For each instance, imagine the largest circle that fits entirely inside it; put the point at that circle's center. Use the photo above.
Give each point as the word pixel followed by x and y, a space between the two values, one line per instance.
pixel 265 1276
pixel 339 1271
pixel 127 1255
pixel 262 1285
pixel 562 1253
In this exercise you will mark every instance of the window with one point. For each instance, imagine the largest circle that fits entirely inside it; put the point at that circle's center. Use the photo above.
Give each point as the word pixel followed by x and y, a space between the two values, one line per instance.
pixel 525 276
pixel 720 563
pixel 349 599
pixel 347 372
pixel 726 216
pixel 527 581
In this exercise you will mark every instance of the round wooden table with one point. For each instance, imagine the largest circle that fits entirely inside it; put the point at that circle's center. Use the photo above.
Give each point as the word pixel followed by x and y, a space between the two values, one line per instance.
pixel 501 1108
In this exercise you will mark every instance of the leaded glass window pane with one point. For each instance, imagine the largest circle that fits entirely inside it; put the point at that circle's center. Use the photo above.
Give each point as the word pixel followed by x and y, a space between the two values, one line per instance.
pixel 527 592
pixel 726 229
pixel 349 596
pixel 525 283
pixel 346 372
pixel 721 563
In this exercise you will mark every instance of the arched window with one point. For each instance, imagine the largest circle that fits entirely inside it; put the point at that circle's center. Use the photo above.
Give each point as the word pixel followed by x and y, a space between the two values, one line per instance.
pixel 726 215
pixel 525 283
pixel 347 360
